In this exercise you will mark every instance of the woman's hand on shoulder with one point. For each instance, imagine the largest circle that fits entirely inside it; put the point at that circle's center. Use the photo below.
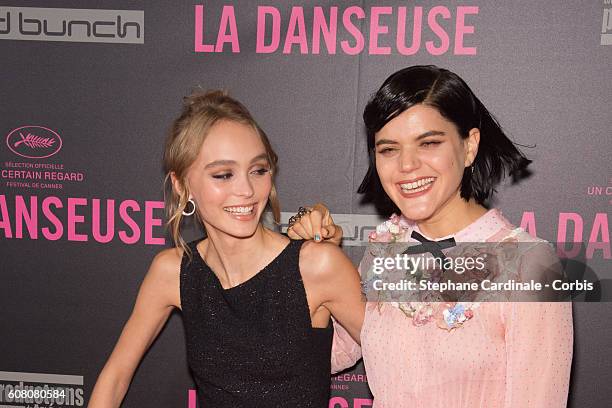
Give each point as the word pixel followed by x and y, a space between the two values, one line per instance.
pixel 317 225
pixel 335 283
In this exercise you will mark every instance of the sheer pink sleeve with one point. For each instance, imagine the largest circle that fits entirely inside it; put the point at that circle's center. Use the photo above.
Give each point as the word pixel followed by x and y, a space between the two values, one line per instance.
pixel 345 351
pixel 539 341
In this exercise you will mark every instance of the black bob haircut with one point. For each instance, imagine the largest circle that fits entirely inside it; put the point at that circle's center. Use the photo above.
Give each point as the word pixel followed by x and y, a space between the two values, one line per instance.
pixel 451 96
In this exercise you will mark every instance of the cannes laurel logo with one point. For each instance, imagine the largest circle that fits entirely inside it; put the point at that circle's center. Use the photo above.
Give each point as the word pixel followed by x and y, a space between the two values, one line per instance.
pixel 75 25
pixel 34 142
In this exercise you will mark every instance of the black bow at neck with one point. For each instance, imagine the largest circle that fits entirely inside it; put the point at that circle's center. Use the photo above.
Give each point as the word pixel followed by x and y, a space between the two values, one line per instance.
pixel 427 245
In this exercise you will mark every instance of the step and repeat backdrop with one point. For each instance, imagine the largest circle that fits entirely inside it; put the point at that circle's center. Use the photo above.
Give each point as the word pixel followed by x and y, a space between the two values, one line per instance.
pixel 88 90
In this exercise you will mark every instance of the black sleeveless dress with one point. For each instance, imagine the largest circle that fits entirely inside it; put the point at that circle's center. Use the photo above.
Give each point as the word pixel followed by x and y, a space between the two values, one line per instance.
pixel 253 345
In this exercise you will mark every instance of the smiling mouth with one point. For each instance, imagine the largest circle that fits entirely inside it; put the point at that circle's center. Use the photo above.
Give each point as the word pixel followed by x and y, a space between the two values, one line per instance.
pixel 240 210
pixel 417 186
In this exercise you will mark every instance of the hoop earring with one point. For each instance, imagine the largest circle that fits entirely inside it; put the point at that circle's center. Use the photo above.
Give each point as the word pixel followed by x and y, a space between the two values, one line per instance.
pixel 193 207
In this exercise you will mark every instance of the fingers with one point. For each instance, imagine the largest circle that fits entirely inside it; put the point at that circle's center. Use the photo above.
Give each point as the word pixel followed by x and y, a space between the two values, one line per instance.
pixel 321 219
pixel 316 224
pixel 297 231
pixel 292 234
pixel 324 212
pixel 328 231
pixel 307 227
pixel 334 234
pixel 315 218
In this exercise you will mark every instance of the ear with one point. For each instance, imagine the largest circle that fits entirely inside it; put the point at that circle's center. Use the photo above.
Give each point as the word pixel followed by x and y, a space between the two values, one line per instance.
pixel 176 184
pixel 471 146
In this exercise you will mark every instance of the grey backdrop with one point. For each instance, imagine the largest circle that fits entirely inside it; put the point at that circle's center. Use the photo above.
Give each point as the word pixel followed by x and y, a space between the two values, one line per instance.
pixel 539 68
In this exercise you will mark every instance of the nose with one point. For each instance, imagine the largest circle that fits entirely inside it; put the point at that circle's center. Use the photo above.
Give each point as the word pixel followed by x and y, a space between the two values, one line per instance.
pixel 409 160
pixel 243 187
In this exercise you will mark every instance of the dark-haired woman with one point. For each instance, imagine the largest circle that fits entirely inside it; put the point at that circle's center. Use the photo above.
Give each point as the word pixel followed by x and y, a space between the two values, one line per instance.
pixel 436 154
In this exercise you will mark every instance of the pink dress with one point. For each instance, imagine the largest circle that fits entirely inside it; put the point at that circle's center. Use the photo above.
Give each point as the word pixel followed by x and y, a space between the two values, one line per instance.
pixel 508 355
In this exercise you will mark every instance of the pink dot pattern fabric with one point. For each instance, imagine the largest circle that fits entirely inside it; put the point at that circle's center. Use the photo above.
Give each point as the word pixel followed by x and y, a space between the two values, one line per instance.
pixel 509 355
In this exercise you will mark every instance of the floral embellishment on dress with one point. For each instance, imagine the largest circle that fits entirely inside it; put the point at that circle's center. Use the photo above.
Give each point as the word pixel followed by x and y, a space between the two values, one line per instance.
pixel 455 316
pixel 420 312
pixel 392 230
pixel 447 316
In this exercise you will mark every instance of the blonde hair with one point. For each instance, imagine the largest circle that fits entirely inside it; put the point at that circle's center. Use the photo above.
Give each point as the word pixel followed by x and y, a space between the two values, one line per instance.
pixel 201 111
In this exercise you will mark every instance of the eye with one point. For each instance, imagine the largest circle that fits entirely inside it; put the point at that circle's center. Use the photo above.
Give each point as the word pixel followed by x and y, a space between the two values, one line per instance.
pixel 261 171
pixel 387 151
pixel 431 143
pixel 223 176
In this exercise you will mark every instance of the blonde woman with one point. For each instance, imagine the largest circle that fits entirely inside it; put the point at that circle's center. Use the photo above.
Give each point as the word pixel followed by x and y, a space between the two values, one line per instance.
pixel 256 306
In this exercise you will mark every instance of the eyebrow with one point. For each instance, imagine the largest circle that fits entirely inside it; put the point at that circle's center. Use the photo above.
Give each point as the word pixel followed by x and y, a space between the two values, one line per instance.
pixel 231 162
pixel 419 137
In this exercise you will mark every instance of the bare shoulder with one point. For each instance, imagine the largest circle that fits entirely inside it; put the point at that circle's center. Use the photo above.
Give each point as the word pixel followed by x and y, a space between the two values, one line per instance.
pixel 321 259
pixel 164 275
pixel 168 258
pixel 167 263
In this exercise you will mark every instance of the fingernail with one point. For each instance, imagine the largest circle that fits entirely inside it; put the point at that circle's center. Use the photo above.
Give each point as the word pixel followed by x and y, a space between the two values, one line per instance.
pixel 317 237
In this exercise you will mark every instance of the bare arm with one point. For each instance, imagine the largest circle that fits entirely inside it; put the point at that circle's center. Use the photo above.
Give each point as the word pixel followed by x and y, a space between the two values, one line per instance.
pixel 158 294
pixel 333 283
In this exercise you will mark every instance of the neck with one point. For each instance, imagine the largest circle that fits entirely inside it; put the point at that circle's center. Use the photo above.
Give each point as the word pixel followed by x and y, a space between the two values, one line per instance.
pixel 452 217
pixel 233 258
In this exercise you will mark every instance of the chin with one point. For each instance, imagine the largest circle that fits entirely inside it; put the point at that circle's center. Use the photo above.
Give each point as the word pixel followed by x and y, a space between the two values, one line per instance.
pixel 236 229
pixel 418 212
pixel 239 234
pixel 245 231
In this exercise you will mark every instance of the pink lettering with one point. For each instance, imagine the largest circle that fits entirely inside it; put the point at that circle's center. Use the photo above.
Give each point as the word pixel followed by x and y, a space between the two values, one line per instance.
pixel 353 30
pixel 5 222
pixel 416 31
pixel 461 29
pixel 336 402
pixel 191 399
pixel 74 219
pixel 564 218
pixel 228 21
pixel 600 228
pixel 262 12
pixel 376 29
pixel 296 21
pixel 110 221
pixel 438 30
pixel 199 31
pixel 151 222
pixel 29 216
pixel 528 223
pixel 440 22
pixel 123 207
pixel 59 228
pixel 329 31
pixel 362 402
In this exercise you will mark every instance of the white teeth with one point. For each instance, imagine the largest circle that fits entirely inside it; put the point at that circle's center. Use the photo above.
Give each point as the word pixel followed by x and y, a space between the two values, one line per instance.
pixel 239 210
pixel 417 186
